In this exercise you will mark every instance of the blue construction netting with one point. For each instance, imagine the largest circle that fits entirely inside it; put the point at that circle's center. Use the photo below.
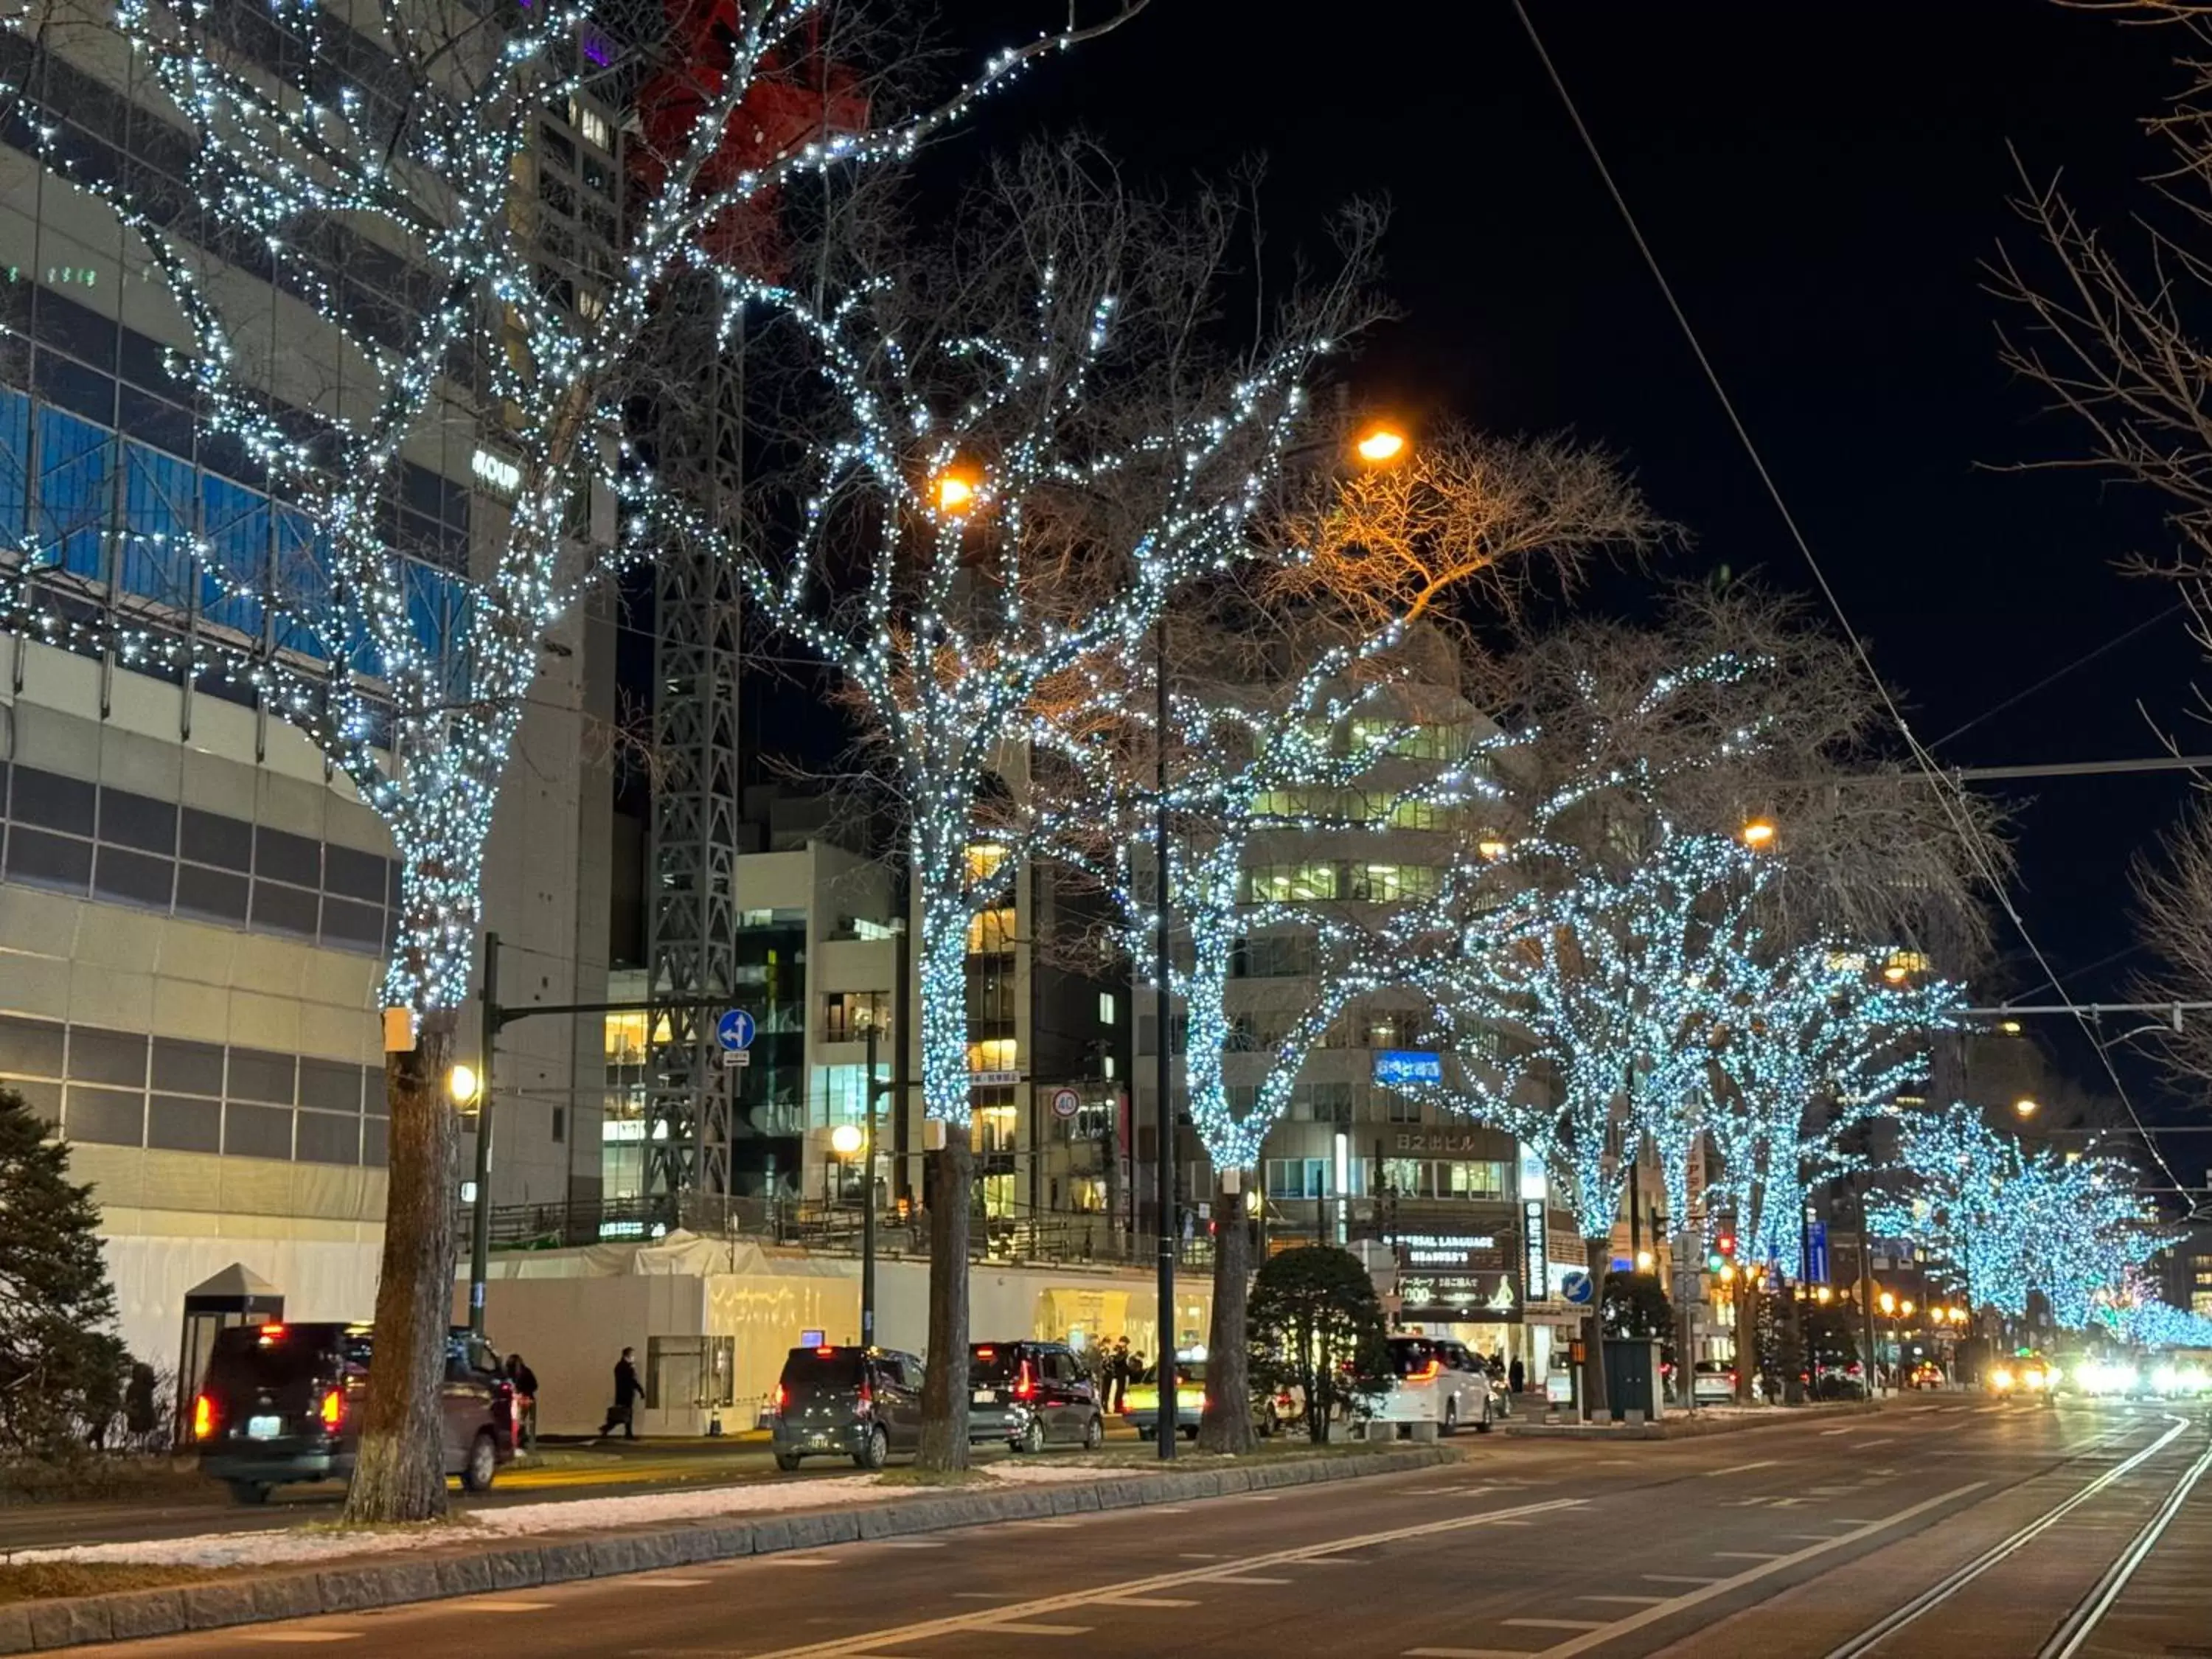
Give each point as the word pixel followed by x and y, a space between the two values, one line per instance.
pixel 257 571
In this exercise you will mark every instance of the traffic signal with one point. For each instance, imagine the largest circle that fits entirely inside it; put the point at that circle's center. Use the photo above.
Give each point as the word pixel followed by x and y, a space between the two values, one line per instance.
pixel 1723 1255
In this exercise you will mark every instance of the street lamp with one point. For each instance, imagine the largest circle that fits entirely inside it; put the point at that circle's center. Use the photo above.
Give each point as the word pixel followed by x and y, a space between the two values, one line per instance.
pixel 1645 1261
pixel 1758 833
pixel 954 491
pixel 463 1085
pixel 1380 445
pixel 2025 1108
pixel 846 1140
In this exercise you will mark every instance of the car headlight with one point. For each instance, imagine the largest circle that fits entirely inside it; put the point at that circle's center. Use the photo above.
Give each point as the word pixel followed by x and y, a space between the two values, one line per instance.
pixel 2001 1379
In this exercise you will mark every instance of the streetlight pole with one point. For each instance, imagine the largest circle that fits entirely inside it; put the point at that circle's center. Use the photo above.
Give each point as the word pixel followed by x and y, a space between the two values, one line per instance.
pixel 480 1213
pixel 1163 1005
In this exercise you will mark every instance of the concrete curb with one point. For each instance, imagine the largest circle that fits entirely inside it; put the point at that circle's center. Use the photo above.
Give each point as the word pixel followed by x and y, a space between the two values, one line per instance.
pixel 247 1597
pixel 1694 1428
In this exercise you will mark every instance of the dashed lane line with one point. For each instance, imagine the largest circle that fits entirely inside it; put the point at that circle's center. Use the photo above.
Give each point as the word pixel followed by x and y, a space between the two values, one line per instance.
pixel 877 1641
pixel 1742 1468
pixel 1688 1599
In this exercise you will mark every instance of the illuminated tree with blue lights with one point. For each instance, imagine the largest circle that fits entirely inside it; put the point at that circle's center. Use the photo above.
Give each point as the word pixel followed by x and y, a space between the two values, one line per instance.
pixel 379 183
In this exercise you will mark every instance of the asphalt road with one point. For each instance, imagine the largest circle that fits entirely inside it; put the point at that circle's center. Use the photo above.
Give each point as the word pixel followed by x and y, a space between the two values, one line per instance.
pixel 1993 1522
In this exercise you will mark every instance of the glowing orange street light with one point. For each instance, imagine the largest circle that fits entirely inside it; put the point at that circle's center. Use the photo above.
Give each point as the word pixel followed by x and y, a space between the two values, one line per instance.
pixel 1380 445
pixel 1492 850
pixel 956 492
pixel 2025 1107
pixel 1895 973
pixel 1758 833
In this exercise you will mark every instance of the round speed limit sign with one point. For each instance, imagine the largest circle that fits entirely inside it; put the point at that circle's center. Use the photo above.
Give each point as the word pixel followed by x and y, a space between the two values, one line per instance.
pixel 1066 1102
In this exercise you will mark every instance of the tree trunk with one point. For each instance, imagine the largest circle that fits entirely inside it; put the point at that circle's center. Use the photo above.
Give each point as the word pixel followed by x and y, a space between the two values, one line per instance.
pixel 1597 1407
pixel 1226 1423
pixel 399 1471
pixel 945 1396
pixel 1793 1347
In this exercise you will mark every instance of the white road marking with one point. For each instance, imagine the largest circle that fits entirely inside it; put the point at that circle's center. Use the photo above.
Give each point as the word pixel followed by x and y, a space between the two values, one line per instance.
pixel 1337 1561
pixel 1244 1578
pixel 524 1607
pixel 1746 1555
pixel 1886 1440
pixel 1679 1578
pixel 1633 1601
pixel 1200 1555
pixel 1012 1629
pixel 1829 1431
pixel 298 1638
pixel 1667 1609
pixel 1742 1468
pixel 876 1641
pixel 1144 1602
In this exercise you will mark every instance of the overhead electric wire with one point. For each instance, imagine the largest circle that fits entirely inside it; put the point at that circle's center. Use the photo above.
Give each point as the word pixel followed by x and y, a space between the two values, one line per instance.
pixel 2057 674
pixel 1947 792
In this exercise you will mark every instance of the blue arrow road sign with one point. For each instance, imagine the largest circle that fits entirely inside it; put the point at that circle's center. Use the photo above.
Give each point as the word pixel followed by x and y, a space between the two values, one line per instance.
pixel 1576 1287
pixel 734 1029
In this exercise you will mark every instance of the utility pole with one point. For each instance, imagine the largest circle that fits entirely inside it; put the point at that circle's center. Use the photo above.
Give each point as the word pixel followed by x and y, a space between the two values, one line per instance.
pixel 868 1199
pixel 480 1213
pixel 1164 1004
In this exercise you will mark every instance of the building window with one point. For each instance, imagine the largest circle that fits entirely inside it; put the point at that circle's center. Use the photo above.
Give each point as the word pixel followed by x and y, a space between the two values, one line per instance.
pixel 1108 1010
pixel 994 1054
pixel 990 933
pixel 848 1016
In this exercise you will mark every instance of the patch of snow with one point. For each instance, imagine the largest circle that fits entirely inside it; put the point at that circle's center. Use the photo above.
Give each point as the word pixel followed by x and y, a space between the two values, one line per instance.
pixel 305 1545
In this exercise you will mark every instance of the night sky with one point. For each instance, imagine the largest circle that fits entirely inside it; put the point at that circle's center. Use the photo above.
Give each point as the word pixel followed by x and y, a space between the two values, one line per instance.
pixel 1821 185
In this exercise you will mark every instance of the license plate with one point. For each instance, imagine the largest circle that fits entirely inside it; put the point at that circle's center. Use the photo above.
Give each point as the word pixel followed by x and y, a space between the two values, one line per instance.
pixel 821 1442
pixel 265 1428
pixel 985 1397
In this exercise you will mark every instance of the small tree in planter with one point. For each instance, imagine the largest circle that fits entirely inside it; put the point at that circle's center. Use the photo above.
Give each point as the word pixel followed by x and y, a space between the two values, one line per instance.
pixel 61 1369
pixel 1316 1324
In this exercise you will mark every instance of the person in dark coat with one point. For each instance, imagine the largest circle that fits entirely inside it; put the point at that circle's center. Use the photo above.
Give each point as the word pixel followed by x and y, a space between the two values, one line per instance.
pixel 627 1389
pixel 1515 1375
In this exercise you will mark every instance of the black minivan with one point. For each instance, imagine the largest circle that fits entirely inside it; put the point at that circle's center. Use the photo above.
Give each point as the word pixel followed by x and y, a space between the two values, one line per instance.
pixel 1031 1395
pixel 282 1403
pixel 861 1403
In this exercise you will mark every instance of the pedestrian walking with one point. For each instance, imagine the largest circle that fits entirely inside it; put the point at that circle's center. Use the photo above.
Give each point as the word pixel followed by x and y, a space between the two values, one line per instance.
pixel 627 1389
pixel 1117 1373
pixel 524 1382
pixel 1515 1375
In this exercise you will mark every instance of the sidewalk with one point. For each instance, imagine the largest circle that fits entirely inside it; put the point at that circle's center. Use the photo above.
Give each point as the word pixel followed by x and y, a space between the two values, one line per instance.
pixel 439 1565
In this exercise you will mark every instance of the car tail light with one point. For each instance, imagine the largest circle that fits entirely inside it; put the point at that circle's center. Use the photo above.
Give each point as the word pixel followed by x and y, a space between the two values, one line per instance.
pixel 986 1353
pixel 865 1403
pixel 203 1419
pixel 333 1411
pixel 1025 1385
pixel 776 1405
pixel 1428 1373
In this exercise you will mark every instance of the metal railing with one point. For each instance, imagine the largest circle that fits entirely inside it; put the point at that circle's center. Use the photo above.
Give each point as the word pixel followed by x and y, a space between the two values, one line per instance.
pixel 1060 1238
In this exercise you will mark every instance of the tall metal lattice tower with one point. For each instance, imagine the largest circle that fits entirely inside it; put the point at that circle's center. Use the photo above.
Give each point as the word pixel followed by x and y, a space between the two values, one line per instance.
pixel 692 913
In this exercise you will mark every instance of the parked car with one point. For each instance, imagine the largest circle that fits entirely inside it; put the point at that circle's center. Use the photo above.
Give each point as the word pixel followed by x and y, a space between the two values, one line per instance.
pixel 281 1403
pixel 1926 1374
pixel 861 1403
pixel 1032 1394
pixel 1712 1383
pixel 1437 1380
